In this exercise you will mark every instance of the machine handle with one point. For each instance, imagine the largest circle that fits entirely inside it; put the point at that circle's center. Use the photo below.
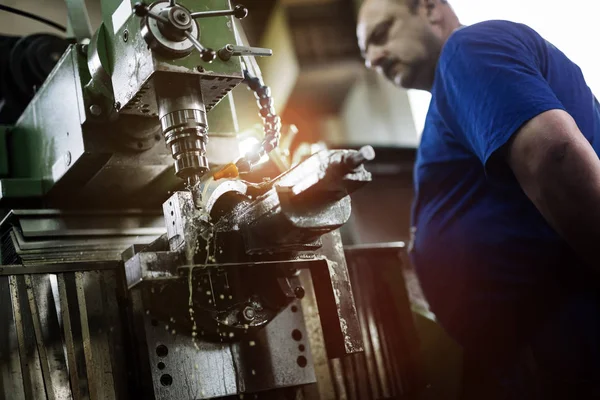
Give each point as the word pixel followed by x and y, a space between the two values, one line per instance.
pixel 208 55
pixel 231 50
pixel 142 10
pixel 239 11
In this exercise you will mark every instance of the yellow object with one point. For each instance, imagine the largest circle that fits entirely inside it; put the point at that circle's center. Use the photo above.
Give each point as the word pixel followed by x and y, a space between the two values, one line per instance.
pixel 228 171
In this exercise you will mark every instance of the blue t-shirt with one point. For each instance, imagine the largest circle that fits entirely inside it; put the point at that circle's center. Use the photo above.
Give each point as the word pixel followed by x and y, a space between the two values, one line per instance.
pixel 478 239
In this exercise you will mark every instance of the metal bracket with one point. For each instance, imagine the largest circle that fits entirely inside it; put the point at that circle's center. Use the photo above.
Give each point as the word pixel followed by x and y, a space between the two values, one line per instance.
pixel 79 20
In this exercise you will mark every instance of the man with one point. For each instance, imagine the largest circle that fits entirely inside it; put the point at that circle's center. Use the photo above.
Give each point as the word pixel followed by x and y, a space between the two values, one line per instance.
pixel 506 217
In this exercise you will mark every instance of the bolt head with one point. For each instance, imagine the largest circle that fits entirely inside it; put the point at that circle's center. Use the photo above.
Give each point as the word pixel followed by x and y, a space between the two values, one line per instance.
pixel 299 292
pixel 249 313
pixel 181 16
pixel 95 110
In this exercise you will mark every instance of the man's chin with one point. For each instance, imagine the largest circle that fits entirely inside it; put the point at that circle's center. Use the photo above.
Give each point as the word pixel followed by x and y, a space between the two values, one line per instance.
pixel 405 81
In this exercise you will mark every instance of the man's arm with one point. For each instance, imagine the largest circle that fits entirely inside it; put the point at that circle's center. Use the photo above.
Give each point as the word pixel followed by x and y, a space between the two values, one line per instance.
pixel 560 172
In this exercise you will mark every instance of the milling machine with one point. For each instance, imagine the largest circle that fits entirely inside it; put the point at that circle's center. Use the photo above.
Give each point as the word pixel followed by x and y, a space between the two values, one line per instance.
pixel 103 299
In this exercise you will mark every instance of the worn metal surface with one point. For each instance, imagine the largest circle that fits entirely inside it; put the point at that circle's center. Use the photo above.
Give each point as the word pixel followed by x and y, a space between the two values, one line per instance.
pixel 62 302
pixel 60 340
pixel 42 241
pixel 324 389
pixel 11 375
pixel 151 265
pixel 391 364
pixel 270 358
pixel 52 133
pixel 333 290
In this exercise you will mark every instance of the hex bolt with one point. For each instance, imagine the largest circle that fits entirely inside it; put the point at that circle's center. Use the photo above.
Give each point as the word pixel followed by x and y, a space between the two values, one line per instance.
pixel 249 313
pixel 181 16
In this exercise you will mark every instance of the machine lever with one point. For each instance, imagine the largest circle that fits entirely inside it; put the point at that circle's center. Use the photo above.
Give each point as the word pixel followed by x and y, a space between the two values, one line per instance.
pixel 231 50
pixel 239 11
pixel 142 10
pixel 208 55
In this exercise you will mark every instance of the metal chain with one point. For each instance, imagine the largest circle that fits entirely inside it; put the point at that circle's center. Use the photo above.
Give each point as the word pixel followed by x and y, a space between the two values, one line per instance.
pixel 272 123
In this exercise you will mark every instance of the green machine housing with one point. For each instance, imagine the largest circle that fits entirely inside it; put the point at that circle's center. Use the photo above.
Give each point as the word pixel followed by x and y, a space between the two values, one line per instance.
pixel 92 135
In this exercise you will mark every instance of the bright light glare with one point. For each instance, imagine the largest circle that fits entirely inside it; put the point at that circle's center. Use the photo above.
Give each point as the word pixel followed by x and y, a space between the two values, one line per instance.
pixel 563 23
pixel 248 144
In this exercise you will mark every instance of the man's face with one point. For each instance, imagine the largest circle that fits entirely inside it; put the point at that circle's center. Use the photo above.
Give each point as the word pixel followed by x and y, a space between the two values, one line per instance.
pixel 398 43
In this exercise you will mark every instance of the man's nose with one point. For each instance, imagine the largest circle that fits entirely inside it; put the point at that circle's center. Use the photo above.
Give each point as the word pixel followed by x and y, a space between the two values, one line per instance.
pixel 375 57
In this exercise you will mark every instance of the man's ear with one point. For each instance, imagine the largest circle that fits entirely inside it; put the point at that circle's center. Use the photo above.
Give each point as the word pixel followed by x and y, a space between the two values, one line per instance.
pixel 432 11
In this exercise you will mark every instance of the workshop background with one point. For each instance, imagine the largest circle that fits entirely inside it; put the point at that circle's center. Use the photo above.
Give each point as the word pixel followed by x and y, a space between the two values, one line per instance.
pixel 321 87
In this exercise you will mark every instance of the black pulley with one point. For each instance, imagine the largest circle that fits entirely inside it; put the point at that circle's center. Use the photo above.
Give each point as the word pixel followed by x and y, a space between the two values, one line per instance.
pixel 30 60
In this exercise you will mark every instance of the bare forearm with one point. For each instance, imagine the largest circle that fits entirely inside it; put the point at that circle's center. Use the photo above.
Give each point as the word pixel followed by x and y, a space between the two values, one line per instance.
pixel 567 193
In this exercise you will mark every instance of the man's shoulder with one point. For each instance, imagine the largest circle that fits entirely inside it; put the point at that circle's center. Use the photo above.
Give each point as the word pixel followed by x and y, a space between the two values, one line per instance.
pixel 490 29
pixel 490 36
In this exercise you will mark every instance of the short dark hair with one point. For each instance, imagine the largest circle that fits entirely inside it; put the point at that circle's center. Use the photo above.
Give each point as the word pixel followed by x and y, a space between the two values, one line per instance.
pixel 414 4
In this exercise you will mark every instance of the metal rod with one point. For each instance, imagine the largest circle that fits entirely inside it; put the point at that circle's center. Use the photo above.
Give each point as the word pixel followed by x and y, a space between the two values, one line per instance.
pixel 250 51
pixel 38 268
pixel 194 41
pixel 206 14
pixel 172 3
pixel 159 18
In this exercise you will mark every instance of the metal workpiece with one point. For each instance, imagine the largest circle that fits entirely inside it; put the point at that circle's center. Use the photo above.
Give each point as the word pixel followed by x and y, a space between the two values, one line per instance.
pixel 185 223
pixel 333 291
pixel 287 214
pixel 326 176
pixel 294 210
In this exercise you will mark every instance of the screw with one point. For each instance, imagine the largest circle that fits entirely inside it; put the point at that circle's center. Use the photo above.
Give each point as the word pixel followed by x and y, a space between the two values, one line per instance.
pixel 200 68
pixel 181 16
pixel 82 48
pixel 68 158
pixel 299 292
pixel 95 110
pixel 125 35
pixel 249 314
